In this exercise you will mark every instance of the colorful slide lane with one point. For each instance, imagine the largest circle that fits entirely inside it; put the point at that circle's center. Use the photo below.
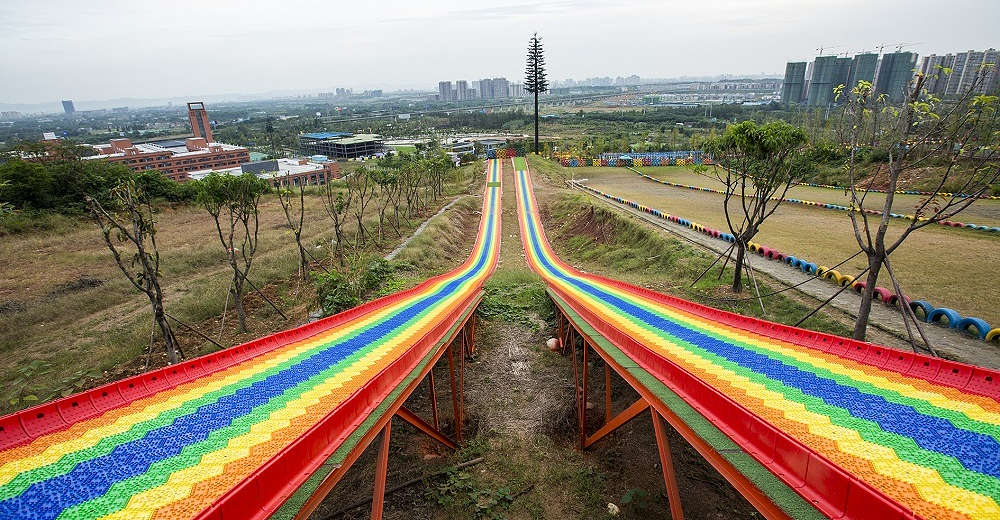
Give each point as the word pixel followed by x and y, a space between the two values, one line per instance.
pixel 232 435
pixel 857 430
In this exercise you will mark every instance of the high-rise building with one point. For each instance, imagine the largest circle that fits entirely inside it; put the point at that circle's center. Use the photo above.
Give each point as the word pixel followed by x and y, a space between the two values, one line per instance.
pixel 461 90
pixel 972 74
pixel 863 69
pixel 794 85
pixel 68 107
pixel 199 121
pixel 444 90
pixel 824 76
pixel 493 88
pixel 895 70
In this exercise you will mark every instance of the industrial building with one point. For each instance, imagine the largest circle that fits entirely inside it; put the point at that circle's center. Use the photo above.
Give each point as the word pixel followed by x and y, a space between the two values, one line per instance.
pixel 341 145
pixel 281 172
pixel 175 158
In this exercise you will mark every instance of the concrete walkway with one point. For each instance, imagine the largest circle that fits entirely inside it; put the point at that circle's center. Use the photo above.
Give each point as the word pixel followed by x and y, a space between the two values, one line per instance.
pixel 950 343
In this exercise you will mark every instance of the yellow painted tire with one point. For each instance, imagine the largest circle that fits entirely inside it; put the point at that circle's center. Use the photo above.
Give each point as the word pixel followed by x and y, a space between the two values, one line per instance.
pixel 833 274
pixel 821 270
pixel 845 280
pixel 993 335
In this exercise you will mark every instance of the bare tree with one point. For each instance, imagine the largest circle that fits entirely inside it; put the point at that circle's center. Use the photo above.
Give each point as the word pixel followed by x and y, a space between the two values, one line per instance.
pixel 337 207
pixel 757 165
pixel 233 201
pixel 954 141
pixel 288 206
pixel 129 231
pixel 362 189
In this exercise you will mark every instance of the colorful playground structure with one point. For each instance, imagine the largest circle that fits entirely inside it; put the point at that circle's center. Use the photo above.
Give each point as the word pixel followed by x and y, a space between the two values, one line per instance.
pixel 805 425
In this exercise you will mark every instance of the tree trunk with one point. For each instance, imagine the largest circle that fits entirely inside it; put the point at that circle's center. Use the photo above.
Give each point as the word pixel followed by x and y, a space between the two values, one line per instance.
pixel 741 250
pixel 536 123
pixel 237 293
pixel 165 330
pixel 864 311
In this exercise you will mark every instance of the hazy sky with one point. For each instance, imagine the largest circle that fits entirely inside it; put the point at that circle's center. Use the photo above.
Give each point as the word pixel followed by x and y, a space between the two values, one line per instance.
pixel 104 49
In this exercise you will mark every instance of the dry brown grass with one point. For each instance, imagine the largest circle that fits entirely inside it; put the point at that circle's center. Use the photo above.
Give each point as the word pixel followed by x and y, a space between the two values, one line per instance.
pixel 47 313
pixel 948 267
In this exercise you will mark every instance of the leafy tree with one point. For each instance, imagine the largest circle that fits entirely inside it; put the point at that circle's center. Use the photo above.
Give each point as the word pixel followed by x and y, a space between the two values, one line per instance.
pixel 757 165
pixel 233 202
pixel 535 80
pixel 28 185
pixel 954 144
pixel 129 231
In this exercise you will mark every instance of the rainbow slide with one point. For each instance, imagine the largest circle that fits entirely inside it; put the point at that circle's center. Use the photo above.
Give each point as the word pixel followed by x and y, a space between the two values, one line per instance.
pixel 822 426
pixel 234 434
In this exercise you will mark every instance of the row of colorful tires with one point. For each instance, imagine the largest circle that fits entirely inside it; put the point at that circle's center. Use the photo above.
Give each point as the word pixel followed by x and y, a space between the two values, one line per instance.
pixel 678 154
pixel 902 192
pixel 922 309
pixel 838 207
pixel 504 153
pixel 634 162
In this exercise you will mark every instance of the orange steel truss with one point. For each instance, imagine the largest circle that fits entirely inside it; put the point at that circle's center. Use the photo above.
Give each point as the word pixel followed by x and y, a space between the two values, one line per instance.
pixel 463 338
pixel 568 332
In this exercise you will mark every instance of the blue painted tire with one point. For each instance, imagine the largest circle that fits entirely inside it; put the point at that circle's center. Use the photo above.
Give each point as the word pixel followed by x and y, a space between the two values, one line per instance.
pixel 922 305
pixel 944 312
pixel 809 267
pixel 982 328
pixel 791 260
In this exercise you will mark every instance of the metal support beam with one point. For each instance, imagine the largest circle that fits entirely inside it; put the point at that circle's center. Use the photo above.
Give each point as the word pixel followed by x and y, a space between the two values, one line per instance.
pixel 434 401
pixel 666 462
pixel 413 419
pixel 743 485
pixel 621 420
pixel 454 393
pixel 607 393
pixel 583 399
pixel 381 468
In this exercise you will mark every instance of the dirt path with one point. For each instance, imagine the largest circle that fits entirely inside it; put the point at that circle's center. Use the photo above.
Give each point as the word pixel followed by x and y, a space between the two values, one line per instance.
pixel 949 343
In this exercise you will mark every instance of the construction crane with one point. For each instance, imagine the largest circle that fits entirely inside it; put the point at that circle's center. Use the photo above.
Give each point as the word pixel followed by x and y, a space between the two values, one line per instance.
pixel 899 46
pixel 821 47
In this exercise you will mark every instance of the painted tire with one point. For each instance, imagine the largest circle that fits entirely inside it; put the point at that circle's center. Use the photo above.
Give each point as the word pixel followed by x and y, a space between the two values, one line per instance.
pixel 833 274
pixel 809 267
pixel 944 312
pixel 859 286
pixel 821 271
pixel 993 335
pixel 982 328
pixel 926 307
pixel 884 295
pixel 845 280
pixel 791 260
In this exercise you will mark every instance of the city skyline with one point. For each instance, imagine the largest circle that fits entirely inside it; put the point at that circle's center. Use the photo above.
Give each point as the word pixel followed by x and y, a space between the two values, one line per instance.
pixel 108 49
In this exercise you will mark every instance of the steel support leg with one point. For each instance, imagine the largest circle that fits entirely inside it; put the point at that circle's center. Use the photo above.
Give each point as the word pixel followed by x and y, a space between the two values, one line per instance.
pixel 607 393
pixel 381 468
pixel 623 418
pixel 454 393
pixel 434 401
pixel 413 419
pixel 583 400
pixel 666 462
